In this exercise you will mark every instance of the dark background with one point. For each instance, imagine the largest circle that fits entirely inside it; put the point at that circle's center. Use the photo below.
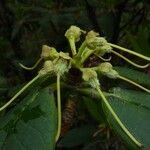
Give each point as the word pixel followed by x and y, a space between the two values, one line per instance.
pixel 25 25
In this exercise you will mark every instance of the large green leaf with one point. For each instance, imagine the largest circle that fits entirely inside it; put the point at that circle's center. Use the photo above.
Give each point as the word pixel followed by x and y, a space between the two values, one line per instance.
pixel 77 136
pixel 134 75
pixel 134 116
pixel 93 106
pixel 31 124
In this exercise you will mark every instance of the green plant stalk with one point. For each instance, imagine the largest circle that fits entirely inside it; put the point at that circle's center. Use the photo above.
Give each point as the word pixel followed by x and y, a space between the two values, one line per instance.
pixel 104 59
pixel 134 83
pixel 81 49
pixel 86 55
pixel 33 67
pixel 117 118
pixel 21 91
pixel 129 51
pixel 72 45
pixel 129 61
pixel 58 108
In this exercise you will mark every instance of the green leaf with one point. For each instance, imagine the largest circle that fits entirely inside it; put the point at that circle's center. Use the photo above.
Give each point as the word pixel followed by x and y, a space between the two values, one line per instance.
pixel 134 117
pixel 134 75
pixel 77 136
pixel 140 42
pixel 93 106
pixel 31 124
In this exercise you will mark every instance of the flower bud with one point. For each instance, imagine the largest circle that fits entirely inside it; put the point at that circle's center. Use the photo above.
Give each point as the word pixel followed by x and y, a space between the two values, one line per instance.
pixel 49 52
pixel 48 67
pixel 90 76
pixel 95 42
pixel 91 34
pixel 107 69
pixel 61 66
pixel 45 51
pixel 112 74
pixel 74 32
pixel 64 55
pixel 103 49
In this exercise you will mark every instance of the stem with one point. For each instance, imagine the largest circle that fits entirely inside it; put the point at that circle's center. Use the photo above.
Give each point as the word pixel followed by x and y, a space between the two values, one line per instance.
pixel 104 59
pixel 58 107
pixel 134 83
pixel 17 94
pixel 81 49
pixel 117 118
pixel 33 67
pixel 129 51
pixel 86 54
pixel 73 46
pixel 129 61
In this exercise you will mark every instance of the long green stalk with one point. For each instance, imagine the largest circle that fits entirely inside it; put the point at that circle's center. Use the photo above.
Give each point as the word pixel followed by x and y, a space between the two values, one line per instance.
pixel 33 67
pixel 86 55
pixel 129 61
pixel 58 108
pixel 129 51
pixel 117 119
pixel 17 94
pixel 134 83
pixel 81 49
pixel 104 59
pixel 73 46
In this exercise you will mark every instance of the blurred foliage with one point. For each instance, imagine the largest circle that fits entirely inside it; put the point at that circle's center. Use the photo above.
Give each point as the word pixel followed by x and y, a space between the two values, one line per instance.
pixel 25 25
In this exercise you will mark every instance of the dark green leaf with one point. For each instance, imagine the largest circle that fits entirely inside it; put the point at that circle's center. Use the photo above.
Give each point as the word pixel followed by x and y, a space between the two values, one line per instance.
pixel 31 124
pixel 77 136
pixel 94 107
pixel 140 42
pixel 134 117
pixel 134 75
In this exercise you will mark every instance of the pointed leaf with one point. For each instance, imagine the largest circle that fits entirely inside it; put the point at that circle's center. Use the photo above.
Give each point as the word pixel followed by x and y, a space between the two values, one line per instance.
pixel 31 124
pixel 134 117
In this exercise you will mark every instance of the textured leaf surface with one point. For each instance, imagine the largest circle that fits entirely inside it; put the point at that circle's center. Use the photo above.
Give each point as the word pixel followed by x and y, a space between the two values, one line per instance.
pixel 135 117
pixel 31 124
pixel 134 75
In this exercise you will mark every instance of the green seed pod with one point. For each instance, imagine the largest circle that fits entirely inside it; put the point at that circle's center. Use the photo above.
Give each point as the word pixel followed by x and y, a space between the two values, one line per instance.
pixel 74 32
